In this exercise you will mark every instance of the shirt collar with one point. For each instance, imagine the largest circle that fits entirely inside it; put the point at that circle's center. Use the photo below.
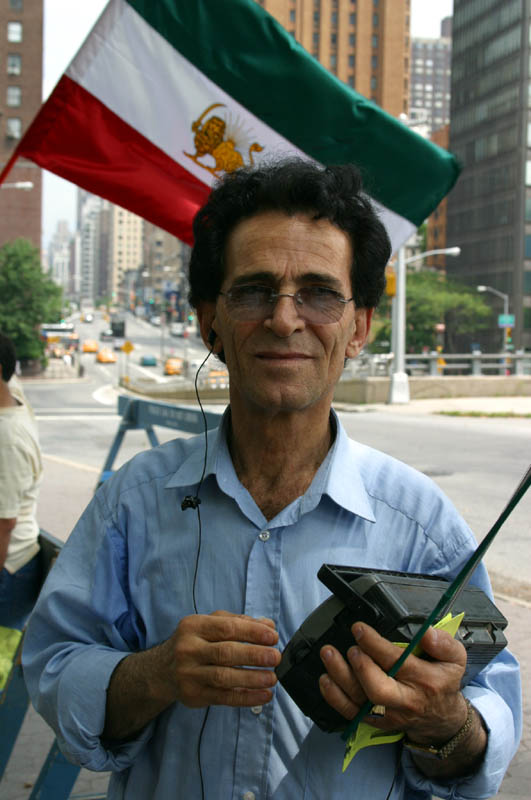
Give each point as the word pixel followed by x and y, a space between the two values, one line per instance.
pixel 338 477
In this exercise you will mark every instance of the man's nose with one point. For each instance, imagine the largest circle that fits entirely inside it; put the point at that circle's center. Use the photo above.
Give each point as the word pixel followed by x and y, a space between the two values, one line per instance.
pixel 284 318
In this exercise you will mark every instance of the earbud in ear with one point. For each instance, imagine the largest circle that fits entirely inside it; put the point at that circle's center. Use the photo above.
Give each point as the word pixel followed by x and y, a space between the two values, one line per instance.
pixel 212 337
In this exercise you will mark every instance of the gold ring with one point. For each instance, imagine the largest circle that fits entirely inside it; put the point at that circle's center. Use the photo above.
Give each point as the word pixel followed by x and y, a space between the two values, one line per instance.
pixel 378 711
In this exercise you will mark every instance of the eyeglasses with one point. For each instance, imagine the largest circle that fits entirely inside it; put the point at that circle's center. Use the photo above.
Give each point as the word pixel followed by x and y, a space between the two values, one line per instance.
pixel 314 304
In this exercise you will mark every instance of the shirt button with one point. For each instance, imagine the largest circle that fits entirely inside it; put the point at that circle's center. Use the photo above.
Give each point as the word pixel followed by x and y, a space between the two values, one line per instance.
pixel 248 796
pixel 264 536
pixel 256 709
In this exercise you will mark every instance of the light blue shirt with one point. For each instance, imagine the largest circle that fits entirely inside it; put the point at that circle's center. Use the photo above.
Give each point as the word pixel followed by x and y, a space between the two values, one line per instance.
pixel 124 580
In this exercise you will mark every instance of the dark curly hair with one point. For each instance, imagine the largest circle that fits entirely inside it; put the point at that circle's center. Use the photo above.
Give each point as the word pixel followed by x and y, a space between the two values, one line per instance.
pixel 291 186
pixel 8 357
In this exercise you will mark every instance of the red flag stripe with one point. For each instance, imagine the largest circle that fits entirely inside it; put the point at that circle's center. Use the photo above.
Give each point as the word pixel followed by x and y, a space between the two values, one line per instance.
pixel 77 137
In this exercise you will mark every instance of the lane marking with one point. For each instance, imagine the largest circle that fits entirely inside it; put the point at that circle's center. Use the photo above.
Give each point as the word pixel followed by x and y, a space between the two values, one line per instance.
pixel 74 417
pixel 67 463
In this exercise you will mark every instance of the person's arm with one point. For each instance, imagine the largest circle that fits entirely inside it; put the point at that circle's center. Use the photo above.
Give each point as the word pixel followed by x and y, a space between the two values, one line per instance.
pixel 423 700
pixel 6 526
pixel 201 664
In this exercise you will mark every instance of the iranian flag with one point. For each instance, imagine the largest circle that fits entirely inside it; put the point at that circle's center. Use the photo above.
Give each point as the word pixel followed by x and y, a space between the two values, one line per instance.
pixel 164 96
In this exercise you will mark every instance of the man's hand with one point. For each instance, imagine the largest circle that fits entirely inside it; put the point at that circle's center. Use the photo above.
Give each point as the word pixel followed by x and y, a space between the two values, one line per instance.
pixel 209 655
pixel 203 663
pixel 423 699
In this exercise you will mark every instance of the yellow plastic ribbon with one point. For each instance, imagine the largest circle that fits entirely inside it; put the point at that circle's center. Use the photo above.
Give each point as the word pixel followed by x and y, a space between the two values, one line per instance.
pixel 367 735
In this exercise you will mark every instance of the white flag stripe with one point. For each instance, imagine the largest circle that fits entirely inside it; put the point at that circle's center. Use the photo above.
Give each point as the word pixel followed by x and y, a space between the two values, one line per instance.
pixel 135 72
pixel 139 76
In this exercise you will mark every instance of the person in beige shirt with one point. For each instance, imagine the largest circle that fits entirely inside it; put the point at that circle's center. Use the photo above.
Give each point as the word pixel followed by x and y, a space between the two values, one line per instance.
pixel 20 476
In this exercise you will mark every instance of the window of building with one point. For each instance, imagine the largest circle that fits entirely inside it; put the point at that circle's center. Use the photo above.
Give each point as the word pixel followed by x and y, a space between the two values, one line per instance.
pixel 375 20
pixel 351 60
pixel 374 40
pixel 528 246
pixel 292 15
pixel 527 290
pixel 16 5
pixel 351 80
pixel 333 60
pixel 352 39
pixel 14 31
pixel 13 96
pixel 528 209
pixel 333 18
pixel 14 64
pixel 14 127
pixel 528 173
pixel 316 16
pixel 316 39
pixel 352 19
pixel 374 82
pixel 374 62
pixel 333 38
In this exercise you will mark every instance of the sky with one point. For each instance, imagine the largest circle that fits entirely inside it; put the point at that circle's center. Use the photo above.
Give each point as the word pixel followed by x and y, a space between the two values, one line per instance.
pixel 66 25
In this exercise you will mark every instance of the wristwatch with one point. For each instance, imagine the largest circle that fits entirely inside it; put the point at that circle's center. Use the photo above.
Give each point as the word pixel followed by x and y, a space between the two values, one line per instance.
pixel 443 751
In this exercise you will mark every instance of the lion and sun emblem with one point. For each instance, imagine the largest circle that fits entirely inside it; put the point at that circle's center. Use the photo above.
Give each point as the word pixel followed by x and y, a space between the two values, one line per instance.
pixel 217 139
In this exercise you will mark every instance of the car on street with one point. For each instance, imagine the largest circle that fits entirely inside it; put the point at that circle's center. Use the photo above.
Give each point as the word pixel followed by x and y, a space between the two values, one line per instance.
pixel 173 366
pixel 155 320
pixel 217 379
pixel 106 356
pixel 148 361
pixel 176 328
pixel 107 335
pixel 90 346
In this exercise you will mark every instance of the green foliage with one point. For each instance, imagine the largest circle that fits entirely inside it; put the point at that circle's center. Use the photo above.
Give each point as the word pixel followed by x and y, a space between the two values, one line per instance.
pixel 431 299
pixel 28 298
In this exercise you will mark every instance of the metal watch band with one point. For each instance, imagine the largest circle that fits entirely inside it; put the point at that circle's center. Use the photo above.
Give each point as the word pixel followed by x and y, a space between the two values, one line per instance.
pixel 443 751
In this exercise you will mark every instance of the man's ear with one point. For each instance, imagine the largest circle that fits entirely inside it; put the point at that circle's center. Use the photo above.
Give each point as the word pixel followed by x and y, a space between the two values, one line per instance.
pixel 362 326
pixel 206 315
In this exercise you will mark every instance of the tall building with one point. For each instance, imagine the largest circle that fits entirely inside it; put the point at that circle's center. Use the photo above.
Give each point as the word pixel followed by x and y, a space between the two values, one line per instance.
pixel 364 42
pixel 125 252
pixel 20 99
pixel 489 210
pixel 430 79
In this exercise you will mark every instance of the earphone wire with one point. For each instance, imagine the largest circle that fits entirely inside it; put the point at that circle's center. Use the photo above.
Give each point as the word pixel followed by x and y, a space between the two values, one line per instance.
pixel 197 497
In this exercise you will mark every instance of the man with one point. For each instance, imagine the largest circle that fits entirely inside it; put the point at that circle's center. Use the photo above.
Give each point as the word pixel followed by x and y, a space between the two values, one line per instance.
pixel 20 476
pixel 151 651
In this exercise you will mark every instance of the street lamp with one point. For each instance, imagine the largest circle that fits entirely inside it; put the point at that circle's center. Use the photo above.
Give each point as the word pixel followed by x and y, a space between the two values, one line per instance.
pixel 399 381
pixel 505 298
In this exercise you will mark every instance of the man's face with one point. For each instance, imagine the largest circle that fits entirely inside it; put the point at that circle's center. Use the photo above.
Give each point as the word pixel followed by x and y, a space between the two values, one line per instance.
pixel 283 363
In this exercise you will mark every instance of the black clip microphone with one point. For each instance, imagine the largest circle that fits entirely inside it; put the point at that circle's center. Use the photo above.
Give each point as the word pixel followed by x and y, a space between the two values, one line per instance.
pixel 190 502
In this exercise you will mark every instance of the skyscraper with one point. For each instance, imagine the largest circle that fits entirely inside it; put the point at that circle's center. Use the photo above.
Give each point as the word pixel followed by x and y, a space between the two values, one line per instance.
pixel 489 210
pixel 364 42
pixel 20 99
pixel 430 79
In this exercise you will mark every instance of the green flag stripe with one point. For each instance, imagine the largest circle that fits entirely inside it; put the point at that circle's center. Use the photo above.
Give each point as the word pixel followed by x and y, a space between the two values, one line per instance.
pixel 246 52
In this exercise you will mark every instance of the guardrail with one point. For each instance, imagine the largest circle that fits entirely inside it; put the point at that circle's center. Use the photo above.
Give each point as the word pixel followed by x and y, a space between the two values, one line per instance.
pixel 440 364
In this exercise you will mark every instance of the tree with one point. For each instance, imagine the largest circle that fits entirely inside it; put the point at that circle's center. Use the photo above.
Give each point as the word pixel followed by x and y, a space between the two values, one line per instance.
pixel 432 299
pixel 28 298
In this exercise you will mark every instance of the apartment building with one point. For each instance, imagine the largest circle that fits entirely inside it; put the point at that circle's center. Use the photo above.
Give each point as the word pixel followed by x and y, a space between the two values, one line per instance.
pixel 21 24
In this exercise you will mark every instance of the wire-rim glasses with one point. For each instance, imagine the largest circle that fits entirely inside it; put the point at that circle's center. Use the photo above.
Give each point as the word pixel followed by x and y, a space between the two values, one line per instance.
pixel 253 302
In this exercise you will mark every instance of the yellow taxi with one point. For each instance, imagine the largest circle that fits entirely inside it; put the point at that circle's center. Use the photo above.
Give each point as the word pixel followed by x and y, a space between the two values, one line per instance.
pixel 90 346
pixel 173 366
pixel 106 356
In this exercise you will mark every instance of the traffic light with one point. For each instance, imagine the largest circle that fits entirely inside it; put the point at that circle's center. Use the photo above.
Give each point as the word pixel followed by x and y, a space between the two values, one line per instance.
pixel 508 336
pixel 390 281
